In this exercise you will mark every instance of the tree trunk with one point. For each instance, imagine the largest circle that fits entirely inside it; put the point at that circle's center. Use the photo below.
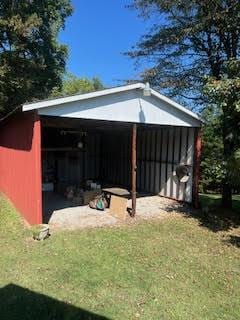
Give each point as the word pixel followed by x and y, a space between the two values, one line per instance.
pixel 226 196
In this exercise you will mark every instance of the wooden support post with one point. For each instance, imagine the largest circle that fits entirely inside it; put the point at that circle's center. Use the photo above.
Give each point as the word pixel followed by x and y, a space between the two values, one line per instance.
pixel 134 168
pixel 196 168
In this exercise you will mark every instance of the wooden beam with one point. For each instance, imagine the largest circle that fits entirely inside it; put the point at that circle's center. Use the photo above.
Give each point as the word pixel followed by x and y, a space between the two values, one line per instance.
pixel 134 168
pixel 196 167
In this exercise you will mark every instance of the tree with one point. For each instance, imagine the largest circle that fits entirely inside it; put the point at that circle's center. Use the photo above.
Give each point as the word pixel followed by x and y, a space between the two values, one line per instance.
pixel 212 152
pixel 191 49
pixel 192 40
pixel 31 59
pixel 72 85
pixel 225 93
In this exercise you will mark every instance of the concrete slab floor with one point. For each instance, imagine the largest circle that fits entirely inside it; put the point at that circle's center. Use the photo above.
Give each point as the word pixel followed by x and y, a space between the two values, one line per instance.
pixel 61 213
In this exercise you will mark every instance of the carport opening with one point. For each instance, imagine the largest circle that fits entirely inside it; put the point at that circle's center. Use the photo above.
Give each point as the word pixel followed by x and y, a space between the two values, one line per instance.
pixel 75 152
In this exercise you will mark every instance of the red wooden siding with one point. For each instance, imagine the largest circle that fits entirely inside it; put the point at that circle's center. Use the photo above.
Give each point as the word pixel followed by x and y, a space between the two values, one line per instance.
pixel 20 164
pixel 197 162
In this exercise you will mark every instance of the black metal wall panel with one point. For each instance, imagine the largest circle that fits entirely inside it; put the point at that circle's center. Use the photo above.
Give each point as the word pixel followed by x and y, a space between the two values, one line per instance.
pixel 92 156
pixel 115 159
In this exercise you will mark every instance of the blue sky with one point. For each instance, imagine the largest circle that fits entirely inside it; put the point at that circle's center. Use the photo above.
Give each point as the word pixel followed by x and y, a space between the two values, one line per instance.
pixel 97 34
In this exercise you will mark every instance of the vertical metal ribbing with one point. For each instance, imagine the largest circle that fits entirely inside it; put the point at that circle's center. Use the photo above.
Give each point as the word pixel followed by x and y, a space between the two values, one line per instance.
pixel 134 168
pixel 166 162
pixel 172 164
pixel 139 160
pixel 160 160
pixel 179 158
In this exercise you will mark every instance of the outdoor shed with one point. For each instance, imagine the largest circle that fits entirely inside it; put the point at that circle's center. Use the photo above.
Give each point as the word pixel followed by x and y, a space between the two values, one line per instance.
pixel 129 136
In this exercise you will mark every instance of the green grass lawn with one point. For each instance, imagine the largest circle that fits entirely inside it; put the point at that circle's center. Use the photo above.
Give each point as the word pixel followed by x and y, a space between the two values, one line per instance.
pixel 164 269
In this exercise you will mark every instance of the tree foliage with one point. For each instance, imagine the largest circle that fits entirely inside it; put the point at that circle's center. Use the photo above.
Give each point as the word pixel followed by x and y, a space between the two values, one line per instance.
pixel 72 85
pixel 191 40
pixel 225 93
pixel 31 59
pixel 194 50
pixel 212 152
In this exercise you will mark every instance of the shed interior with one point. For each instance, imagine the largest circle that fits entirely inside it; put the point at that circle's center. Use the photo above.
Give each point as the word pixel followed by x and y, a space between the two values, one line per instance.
pixel 77 150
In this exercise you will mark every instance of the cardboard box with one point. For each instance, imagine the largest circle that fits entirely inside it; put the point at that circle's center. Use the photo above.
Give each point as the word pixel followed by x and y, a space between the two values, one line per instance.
pixel 118 207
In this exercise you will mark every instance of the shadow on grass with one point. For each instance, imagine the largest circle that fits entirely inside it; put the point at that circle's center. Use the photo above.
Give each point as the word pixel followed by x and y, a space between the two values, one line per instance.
pixel 212 217
pixel 217 219
pixel 233 240
pixel 20 303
